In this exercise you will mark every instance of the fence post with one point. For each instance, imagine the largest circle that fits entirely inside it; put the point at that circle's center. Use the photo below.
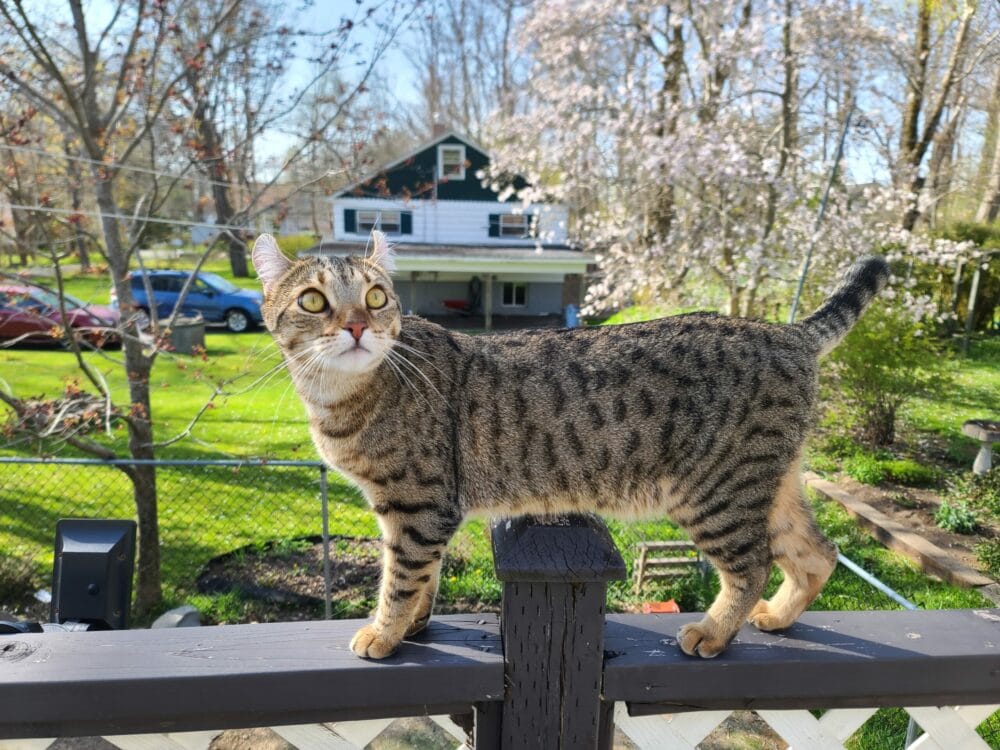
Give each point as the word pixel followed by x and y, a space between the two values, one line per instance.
pixel 555 577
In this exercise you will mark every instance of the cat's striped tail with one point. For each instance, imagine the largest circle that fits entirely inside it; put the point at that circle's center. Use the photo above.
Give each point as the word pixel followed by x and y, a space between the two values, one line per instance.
pixel 841 310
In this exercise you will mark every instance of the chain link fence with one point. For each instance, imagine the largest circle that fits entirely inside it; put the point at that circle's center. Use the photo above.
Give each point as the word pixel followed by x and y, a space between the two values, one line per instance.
pixel 216 516
pixel 209 511
pixel 288 533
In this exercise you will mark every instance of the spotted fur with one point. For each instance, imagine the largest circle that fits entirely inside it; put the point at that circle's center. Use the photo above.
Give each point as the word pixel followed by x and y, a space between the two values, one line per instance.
pixel 697 417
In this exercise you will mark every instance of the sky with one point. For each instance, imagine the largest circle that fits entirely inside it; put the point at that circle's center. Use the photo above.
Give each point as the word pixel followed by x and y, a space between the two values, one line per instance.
pixel 861 161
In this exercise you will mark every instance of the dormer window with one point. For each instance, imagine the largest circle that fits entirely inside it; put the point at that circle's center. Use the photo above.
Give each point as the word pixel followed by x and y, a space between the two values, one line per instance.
pixel 451 161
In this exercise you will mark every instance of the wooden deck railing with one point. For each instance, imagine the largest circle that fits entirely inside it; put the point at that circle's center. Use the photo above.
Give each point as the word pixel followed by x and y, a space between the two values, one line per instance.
pixel 551 680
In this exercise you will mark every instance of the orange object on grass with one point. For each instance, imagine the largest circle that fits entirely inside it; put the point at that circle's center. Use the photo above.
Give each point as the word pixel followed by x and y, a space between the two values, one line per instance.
pixel 660 608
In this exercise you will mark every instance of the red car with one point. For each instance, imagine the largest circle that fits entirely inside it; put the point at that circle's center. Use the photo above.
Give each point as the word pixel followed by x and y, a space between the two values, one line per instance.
pixel 32 314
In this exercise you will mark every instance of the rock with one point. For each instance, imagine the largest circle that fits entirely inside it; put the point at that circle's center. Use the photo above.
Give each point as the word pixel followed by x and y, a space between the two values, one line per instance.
pixel 250 739
pixel 179 617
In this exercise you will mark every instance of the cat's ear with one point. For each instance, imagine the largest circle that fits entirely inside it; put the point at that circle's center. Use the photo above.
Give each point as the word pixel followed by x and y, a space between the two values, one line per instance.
pixel 382 254
pixel 269 261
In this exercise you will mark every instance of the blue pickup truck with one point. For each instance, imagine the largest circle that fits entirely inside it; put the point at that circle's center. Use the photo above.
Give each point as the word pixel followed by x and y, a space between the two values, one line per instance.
pixel 213 297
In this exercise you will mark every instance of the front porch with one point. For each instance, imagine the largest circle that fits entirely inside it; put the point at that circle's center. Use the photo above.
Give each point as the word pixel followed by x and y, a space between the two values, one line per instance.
pixel 505 287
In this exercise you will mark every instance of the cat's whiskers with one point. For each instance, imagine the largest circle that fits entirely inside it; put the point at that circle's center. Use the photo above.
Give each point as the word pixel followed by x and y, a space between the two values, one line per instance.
pixel 422 355
pixel 268 375
pixel 401 374
pixel 305 367
pixel 400 359
pixel 307 370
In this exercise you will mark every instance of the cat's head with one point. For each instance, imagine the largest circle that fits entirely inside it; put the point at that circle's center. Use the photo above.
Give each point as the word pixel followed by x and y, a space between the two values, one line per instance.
pixel 330 314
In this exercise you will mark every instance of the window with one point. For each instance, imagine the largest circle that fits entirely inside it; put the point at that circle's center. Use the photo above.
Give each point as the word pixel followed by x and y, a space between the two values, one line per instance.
pixel 513 225
pixel 218 283
pixel 199 286
pixel 519 226
pixel 363 221
pixel 514 294
pixel 171 284
pixel 451 162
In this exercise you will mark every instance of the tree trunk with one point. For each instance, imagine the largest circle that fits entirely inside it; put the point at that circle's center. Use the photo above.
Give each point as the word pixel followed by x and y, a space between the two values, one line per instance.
pixel 668 100
pixel 942 162
pixel 910 131
pixel 223 216
pixel 879 425
pixel 148 592
pixel 915 143
pixel 989 205
pixel 214 164
pixel 23 233
pixel 74 180
pixel 789 119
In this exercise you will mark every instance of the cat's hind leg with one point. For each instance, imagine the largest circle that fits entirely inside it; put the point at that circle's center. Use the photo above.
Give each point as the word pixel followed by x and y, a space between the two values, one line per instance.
pixel 741 587
pixel 805 556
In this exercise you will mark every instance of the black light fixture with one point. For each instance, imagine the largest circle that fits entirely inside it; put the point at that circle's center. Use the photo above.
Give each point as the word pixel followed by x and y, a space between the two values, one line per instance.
pixel 92 573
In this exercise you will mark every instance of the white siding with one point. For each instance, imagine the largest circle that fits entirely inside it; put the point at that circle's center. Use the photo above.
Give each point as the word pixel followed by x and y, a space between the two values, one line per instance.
pixel 456 222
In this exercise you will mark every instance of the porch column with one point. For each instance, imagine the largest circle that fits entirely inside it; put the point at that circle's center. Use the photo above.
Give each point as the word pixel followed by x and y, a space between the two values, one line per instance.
pixel 413 291
pixel 488 302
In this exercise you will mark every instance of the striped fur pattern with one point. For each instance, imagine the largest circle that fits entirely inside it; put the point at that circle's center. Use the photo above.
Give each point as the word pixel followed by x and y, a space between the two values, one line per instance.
pixel 697 417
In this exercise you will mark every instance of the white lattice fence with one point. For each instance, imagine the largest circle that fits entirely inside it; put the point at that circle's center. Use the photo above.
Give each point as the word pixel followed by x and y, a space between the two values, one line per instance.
pixel 347 735
pixel 949 728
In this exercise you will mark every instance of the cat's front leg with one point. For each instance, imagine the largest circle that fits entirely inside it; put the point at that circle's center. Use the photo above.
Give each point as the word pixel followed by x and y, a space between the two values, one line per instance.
pixel 413 547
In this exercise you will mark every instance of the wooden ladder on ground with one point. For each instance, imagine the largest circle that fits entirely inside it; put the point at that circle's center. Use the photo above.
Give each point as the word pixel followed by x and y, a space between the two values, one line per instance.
pixel 679 561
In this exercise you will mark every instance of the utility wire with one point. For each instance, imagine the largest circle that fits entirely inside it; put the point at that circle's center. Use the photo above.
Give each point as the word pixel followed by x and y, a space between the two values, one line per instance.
pixel 143 170
pixel 126 217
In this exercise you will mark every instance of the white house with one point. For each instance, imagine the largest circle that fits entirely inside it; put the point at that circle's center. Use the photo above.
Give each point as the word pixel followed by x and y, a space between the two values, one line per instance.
pixel 459 249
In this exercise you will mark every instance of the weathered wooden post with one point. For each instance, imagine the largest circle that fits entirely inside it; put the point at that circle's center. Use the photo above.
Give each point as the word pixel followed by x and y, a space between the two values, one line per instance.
pixel 555 575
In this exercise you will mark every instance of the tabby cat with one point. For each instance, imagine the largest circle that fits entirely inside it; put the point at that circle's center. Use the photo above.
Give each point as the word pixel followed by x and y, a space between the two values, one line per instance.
pixel 698 417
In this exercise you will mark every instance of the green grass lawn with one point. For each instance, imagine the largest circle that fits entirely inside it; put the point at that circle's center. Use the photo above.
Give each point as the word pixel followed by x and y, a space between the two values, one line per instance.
pixel 974 393
pixel 206 512
pixel 261 417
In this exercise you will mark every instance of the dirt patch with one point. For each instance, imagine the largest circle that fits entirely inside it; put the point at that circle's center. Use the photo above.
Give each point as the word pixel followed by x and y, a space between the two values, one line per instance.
pixel 284 579
pixel 914 509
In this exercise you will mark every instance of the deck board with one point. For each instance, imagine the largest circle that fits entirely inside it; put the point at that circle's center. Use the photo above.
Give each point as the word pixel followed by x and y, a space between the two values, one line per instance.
pixel 825 660
pixel 186 679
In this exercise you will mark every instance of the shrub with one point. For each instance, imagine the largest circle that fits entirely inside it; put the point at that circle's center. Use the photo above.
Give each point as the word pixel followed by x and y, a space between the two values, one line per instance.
pixel 958 518
pixel 908 471
pixel 17 582
pixel 884 361
pixel 293 244
pixel 988 554
pixel 840 446
pixel 822 463
pixel 865 468
pixel 981 492
pixel 986 236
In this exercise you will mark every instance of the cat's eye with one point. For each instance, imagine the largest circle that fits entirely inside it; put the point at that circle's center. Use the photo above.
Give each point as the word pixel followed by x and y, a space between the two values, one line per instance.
pixel 312 301
pixel 376 298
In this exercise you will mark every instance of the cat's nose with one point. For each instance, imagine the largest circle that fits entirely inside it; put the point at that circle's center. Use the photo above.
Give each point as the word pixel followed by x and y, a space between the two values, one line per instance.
pixel 356 327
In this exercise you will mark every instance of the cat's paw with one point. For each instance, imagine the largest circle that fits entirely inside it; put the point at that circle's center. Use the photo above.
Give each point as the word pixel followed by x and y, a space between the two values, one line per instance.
pixel 762 618
pixel 369 644
pixel 695 639
pixel 418 625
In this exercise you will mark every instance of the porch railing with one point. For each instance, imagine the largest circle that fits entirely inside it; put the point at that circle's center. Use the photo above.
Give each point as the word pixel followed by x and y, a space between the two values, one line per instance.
pixel 552 672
